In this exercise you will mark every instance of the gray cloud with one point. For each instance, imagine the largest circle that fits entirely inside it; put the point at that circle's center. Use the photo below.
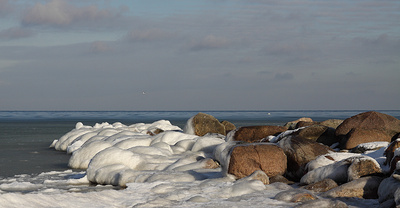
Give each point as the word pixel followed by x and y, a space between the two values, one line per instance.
pixel 16 33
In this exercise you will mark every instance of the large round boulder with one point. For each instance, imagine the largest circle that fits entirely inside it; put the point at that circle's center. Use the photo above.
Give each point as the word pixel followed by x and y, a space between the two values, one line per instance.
pixel 247 158
pixel 360 135
pixel 256 133
pixel 299 152
pixel 367 127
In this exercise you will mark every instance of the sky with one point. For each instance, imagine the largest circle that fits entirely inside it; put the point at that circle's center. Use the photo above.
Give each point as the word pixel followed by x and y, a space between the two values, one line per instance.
pixel 199 55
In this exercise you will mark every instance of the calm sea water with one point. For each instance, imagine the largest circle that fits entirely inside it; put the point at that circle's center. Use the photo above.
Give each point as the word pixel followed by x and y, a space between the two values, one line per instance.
pixel 26 135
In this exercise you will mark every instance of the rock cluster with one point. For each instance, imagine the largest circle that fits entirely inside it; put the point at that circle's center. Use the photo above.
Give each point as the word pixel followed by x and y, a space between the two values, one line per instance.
pixel 301 152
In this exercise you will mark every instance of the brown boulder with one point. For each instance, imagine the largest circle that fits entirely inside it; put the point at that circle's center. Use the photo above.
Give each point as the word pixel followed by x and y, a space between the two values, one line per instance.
pixel 318 133
pixel 370 120
pixel 292 124
pixel 204 123
pixel 322 186
pixel 247 158
pixel 366 187
pixel 360 135
pixel 228 126
pixel 299 152
pixel 256 133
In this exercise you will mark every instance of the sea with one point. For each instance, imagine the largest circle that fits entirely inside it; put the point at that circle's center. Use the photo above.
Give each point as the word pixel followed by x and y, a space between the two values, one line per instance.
pixel 25 136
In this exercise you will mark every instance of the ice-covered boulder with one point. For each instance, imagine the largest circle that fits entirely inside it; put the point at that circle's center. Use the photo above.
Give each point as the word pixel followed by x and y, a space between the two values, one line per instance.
pixel 343 171
pixel 247 158
pixel 328 159
pixel 110 163
pixel 80 159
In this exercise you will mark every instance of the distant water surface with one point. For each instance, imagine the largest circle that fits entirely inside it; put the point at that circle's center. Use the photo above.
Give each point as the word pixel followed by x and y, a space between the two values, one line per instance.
pixel 26 135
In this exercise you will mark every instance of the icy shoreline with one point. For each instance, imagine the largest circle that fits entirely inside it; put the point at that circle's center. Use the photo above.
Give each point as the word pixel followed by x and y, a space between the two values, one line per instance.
pixel 158 163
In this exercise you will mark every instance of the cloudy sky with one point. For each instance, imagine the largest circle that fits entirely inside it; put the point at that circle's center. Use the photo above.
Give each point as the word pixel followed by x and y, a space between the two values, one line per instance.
pixel 199 55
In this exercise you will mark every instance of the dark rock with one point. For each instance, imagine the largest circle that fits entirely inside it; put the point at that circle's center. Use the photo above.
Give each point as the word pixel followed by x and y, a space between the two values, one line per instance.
pixel 256 133
pixel 245 159
pixel 299 152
